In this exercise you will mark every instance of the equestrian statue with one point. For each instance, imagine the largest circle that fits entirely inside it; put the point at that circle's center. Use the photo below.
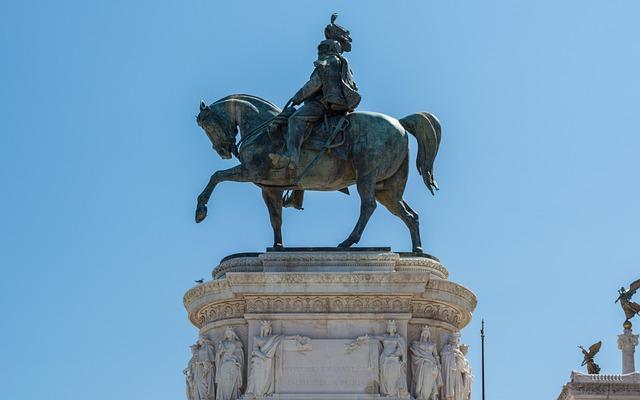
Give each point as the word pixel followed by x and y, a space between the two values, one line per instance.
pixel 324 144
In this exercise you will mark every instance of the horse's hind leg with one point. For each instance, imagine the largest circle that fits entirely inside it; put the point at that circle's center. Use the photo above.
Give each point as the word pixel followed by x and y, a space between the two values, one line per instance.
pixel 366 190
pixel 390 196
pixel 273 200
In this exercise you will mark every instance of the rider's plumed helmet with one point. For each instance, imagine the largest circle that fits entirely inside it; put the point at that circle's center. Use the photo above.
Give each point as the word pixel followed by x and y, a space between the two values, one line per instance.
pixel 338 33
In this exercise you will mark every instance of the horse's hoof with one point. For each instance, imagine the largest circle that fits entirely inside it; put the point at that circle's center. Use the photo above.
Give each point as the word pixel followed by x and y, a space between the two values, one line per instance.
pixel 346 243
pixel 201 213
pixel 278 246
pixel 418 250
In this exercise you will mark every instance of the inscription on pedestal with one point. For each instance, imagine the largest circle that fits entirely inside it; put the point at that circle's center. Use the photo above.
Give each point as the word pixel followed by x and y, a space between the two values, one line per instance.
pixel 330 367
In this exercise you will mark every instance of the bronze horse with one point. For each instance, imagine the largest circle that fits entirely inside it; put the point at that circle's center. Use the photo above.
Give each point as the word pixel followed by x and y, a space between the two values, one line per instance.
pixel 378 161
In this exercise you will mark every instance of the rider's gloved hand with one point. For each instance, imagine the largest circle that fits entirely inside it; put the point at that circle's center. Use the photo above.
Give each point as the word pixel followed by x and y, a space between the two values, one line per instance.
pixel 283 117
pixel 297 99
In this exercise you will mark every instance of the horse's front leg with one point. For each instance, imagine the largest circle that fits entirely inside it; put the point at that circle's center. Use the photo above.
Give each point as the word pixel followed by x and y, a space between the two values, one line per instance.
pixel 235 174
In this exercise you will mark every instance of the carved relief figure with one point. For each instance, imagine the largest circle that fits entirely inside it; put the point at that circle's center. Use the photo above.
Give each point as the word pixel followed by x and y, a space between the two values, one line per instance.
pixel 188 374
pixel 465 368
pixel 229 362
pixel 392 364
pixel 261 381
pixel 452 377
pixel 425 364
pixel 199 374
pixel 262 374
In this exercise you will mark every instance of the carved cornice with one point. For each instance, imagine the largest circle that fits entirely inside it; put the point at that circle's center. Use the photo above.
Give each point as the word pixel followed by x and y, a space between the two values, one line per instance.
pixel 328 304
pixel 440 312
pixel 216 312
pixel 215 286
pixel 251 283
pixel 455 289
pixel 238 264
pixel 420 264
pixel 374 260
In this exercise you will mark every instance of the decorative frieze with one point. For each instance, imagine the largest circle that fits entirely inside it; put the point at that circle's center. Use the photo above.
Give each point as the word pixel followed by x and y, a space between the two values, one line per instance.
pixel 328 304
pixel 218 311
pixel 214 286
pixel 439 312
pixel 326 278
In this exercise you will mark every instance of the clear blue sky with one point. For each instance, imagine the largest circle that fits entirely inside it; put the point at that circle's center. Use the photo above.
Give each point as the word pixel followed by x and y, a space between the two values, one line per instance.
pixel 101 162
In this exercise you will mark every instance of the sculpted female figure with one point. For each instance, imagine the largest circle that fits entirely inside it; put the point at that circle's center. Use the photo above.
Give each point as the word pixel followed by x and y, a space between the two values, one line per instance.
pixel 465 368
pixel 261 381
pixel 199 373
pixel 393 366
pixel 262 375
pixel 188 374
pixel 229 360
pixel 452 375
pixel 425 365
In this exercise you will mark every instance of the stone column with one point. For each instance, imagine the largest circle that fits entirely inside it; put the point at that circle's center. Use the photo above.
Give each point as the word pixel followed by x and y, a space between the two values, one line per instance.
pixel 627 342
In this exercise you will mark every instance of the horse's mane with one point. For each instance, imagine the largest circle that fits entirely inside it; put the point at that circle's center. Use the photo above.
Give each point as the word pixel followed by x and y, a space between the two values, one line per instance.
pixel 248 97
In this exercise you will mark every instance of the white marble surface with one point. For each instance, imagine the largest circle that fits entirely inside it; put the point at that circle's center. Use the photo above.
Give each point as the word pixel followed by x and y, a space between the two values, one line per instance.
pixel 627 343
pixel 327 367
pixel 331 298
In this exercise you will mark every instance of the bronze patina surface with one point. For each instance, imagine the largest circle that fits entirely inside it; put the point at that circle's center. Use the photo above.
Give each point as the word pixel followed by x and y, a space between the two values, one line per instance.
pixel 321 145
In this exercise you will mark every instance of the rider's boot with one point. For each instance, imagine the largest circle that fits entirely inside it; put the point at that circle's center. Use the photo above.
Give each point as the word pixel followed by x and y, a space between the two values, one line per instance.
pixel 291 156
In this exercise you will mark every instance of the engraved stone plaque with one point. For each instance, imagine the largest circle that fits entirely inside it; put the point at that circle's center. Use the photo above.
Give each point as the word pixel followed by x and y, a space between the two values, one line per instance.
pixel 330 366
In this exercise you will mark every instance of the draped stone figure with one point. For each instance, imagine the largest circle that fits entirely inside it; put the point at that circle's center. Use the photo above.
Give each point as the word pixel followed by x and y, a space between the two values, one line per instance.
pixel 188 374
pixel 465 368
pixel 393 365
pixel 199 374
pixel 261 381
pixel 453 387
pixel 426 379
pixel 229 362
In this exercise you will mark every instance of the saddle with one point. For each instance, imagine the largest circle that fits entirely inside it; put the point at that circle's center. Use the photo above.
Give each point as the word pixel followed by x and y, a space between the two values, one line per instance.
pixel 329 134
pixel 323 136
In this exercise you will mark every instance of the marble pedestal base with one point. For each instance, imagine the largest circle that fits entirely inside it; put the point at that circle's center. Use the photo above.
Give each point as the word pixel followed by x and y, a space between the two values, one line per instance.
pixel 330 297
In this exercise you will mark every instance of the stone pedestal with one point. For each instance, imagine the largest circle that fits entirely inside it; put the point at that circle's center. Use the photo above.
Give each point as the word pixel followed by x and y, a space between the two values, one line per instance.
pixel 326 308
pixel 627 343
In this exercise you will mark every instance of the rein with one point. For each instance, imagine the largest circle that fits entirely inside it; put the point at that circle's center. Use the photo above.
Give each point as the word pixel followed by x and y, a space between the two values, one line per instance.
pixel 256 132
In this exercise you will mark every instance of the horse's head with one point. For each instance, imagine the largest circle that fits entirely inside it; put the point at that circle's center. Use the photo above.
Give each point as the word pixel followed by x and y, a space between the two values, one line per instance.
pixel 220 129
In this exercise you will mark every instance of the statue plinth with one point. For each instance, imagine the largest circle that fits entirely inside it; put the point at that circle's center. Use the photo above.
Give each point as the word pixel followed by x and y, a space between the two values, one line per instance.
pixel 329 313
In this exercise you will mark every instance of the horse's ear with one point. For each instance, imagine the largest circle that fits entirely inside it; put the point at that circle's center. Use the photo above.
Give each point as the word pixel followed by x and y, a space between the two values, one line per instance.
pixel 203 105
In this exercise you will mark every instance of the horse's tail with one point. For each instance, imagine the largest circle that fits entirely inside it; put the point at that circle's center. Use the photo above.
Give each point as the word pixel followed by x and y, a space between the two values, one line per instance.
pixel 425 127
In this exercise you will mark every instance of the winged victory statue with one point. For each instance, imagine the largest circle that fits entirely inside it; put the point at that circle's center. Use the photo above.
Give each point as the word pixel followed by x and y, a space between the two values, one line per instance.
pixel 629 307
pixel 592 367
